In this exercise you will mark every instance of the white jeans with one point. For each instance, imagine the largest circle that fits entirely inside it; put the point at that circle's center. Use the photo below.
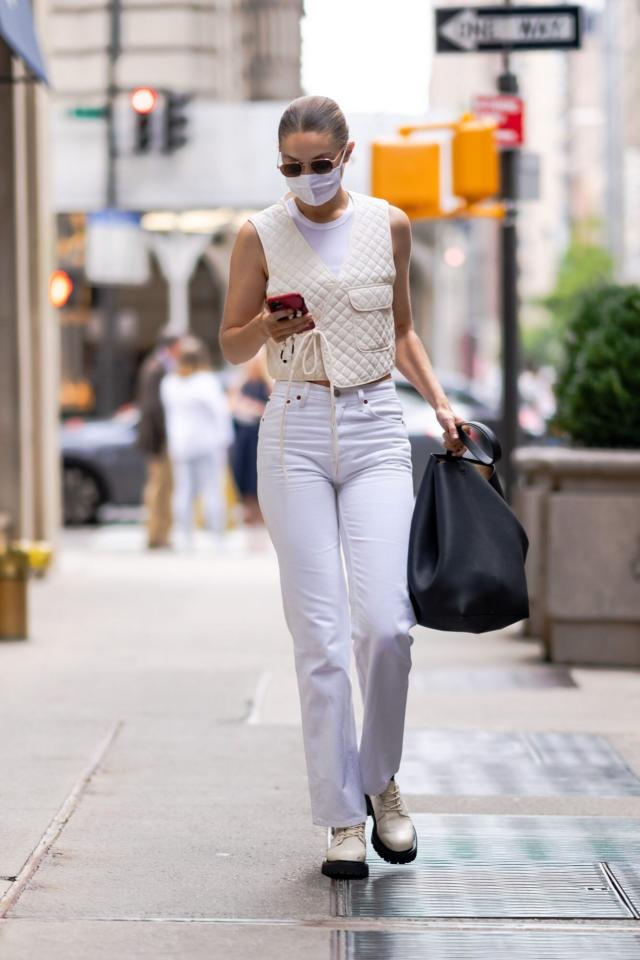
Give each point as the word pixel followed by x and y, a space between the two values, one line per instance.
pixel 199 476
pixel 366 506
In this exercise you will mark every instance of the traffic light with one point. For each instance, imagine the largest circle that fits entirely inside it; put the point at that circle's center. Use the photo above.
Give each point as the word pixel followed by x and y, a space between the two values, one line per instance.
pixel 61 287
pixel 452 173
pixel 407 174
pixel 175 121
pixel 476 167
pixel 143 101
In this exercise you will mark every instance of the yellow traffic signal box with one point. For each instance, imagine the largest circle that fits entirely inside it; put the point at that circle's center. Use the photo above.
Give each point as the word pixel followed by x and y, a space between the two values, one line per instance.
pixel 447 176
pixel 476 170
pixel 407 174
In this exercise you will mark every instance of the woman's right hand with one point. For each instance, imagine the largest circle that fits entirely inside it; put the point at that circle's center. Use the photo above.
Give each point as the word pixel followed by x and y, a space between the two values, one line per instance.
pixel 278 329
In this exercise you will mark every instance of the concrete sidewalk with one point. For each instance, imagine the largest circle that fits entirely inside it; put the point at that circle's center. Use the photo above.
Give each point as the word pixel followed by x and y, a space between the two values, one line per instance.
pixel 153 797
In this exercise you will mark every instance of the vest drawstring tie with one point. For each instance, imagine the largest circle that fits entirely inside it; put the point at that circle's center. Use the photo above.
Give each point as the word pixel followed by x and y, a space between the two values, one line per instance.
pixel 310 346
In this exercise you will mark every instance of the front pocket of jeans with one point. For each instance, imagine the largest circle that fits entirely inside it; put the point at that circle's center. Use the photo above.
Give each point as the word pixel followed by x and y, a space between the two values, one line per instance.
pixel 383 410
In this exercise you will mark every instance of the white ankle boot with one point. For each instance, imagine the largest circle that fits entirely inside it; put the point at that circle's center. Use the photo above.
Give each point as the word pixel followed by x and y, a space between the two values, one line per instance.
pixel 347 853
pixel 394 837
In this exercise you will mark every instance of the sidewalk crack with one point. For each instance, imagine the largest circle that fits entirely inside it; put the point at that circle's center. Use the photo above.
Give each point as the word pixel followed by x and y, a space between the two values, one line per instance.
pixel 57 824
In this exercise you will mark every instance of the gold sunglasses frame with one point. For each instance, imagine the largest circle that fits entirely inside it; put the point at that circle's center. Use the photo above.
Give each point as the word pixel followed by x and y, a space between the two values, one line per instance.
pixel 308 164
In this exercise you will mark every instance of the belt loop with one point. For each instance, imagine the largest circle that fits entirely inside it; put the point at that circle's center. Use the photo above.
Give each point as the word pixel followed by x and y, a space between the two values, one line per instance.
pixel 304 392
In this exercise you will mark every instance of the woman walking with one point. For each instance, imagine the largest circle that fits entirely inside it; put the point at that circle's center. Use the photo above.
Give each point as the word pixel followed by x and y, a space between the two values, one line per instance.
pixel 334 466
pixel 199 432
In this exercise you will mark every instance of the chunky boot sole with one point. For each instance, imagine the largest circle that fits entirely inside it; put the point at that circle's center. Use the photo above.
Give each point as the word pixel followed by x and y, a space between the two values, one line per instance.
pixel 386 853
pixel 345 869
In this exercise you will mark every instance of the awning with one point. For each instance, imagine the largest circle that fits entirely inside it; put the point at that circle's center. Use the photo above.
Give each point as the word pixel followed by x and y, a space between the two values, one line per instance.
pixel 18 30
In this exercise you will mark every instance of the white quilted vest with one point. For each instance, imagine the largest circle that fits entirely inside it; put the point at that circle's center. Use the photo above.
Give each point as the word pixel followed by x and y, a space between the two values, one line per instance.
pixel 354 338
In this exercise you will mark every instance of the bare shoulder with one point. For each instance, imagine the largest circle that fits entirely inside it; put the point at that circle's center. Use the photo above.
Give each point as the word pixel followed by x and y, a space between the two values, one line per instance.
pixel 247 236
pixel 400 225
pixel 400 222
pixel 248 246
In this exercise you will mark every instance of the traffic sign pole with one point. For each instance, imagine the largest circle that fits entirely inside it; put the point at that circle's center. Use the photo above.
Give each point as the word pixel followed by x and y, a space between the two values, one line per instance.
pixel 107 358
pixel 509 159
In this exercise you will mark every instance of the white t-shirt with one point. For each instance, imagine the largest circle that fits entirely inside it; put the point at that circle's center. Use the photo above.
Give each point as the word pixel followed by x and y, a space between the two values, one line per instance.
pixel 197 414
pixel 329 240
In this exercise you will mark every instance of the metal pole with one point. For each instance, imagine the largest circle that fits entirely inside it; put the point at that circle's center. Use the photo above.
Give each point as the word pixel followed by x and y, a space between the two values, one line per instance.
pixel 107 355
pixel 474 284
pixel 112 92
pixel 509 158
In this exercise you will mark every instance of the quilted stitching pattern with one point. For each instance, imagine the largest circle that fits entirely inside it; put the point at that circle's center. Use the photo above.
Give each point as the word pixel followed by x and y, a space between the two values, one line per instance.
pixel 353 309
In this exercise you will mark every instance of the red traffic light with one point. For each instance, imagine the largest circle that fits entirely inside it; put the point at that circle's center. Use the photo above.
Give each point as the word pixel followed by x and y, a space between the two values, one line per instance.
pixel 60 288
pixel 144 100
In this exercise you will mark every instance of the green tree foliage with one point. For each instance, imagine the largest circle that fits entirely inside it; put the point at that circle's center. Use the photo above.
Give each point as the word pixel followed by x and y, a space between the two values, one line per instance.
pixel 584 265
pixel 598 386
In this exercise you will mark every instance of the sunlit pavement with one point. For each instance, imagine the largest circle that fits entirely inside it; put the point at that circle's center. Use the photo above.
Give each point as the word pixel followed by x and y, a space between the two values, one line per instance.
pixel 153 801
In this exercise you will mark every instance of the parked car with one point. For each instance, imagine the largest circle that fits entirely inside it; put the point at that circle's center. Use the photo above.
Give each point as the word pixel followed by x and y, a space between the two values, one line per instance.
pixel 101 464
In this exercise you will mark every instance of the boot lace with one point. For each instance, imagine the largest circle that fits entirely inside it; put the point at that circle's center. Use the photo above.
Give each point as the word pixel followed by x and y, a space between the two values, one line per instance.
pixel 392 801
pixel 343 833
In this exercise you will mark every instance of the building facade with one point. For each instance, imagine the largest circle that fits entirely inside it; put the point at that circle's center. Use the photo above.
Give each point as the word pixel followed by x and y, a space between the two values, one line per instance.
pixel 230 50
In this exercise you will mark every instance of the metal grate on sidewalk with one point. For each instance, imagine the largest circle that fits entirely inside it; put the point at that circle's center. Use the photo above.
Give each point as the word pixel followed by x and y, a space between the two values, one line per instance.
pixel 507 945
pixel 488 763
pixel 489 867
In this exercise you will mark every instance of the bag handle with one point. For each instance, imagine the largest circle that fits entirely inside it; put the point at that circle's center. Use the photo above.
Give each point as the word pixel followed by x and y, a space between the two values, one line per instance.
pixel 479 455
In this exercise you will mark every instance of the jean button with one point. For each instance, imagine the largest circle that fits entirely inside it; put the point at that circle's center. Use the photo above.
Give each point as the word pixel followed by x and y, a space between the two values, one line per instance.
pixel 336 392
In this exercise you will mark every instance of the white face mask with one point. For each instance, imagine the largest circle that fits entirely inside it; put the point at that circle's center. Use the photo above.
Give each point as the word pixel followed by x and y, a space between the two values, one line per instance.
pixel 317 188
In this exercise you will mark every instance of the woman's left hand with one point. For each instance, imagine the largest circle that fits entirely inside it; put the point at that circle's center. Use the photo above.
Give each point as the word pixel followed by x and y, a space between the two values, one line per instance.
pixel 448 420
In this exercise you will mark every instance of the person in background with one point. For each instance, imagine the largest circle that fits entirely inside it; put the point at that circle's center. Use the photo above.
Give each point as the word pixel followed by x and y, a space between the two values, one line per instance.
pixel 152 438
pixel 248 397
pixel 199 433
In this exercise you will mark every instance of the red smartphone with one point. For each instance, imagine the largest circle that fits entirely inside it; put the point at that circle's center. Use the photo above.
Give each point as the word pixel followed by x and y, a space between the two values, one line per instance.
pixel 288 301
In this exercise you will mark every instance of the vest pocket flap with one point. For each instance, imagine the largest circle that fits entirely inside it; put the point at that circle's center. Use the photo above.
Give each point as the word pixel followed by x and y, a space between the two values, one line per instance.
pixel 375 297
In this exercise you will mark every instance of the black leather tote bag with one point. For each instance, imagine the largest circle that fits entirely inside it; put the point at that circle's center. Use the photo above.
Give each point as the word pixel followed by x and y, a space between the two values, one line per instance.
pixel 466 547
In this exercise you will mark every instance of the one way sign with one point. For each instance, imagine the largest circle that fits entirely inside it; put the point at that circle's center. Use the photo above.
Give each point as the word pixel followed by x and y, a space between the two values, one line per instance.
pixel 474 29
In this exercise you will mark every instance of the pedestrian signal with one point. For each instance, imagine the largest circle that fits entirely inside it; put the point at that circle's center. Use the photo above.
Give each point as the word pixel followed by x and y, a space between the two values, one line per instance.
pixel 175 121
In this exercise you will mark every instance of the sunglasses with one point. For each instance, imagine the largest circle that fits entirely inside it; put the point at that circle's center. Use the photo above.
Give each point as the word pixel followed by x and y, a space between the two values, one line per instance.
pixel 293 168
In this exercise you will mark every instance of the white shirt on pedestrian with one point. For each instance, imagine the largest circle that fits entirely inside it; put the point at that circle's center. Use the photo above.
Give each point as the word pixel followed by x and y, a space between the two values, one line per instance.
pixel 330 239
pixel 197 414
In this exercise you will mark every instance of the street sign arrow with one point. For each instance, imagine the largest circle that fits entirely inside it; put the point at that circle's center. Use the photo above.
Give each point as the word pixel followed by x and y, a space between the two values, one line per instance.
pixel 477 29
